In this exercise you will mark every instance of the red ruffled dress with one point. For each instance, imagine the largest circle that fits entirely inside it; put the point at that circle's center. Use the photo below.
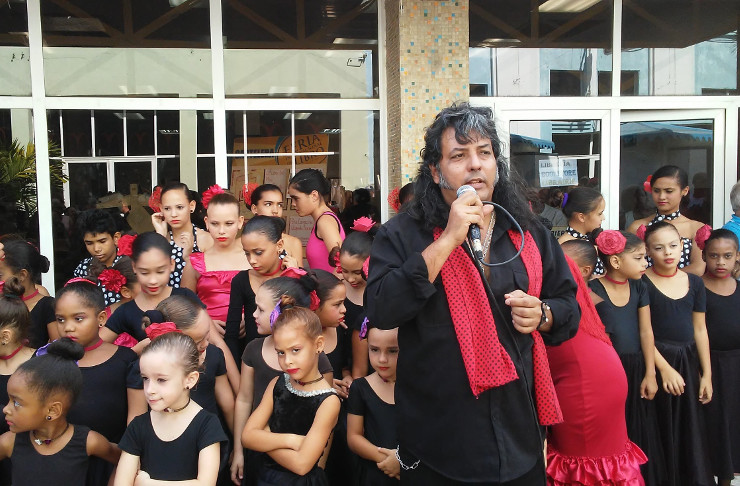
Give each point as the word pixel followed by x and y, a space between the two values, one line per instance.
pixel 213 287
pixel 591 446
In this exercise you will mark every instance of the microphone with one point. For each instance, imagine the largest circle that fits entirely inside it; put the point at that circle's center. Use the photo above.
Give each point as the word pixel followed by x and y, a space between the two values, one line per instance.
pixel 474 229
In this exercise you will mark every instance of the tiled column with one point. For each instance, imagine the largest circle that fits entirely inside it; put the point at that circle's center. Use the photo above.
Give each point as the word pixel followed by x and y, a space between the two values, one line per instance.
pixel 427 66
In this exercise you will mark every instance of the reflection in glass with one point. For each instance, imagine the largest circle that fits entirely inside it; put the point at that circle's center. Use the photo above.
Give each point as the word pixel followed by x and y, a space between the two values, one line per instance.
pixel 517 51
pixel 108 132
pixel 646 145
pixel 15 67
pixel 128 174
pixel 140 132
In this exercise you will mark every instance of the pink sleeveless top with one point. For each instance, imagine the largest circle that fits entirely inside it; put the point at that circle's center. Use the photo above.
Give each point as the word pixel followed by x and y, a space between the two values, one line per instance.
pixel 213 287
pixel 316 252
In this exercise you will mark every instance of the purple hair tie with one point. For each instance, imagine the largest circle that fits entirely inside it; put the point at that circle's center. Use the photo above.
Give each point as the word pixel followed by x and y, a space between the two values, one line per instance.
pixel 43 350
pixel 565 200
pixel 274 315
pixel 363 328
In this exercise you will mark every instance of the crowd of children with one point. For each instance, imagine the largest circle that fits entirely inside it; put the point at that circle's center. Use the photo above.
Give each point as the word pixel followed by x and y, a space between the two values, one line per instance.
pixel 211 357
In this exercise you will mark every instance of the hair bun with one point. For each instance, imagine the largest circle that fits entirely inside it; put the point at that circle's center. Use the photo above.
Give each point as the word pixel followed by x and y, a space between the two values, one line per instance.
pixel 13 288
pixel 65 348
pixel 44 264
pixel 309 281
pixel 286 302
pixel 154 316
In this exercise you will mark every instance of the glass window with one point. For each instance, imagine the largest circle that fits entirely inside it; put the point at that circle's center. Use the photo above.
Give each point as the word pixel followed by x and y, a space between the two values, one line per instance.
pixel 558 49
pixel 288 49
pixel 140 133
pixel 109 132
pixel 687 49
pixel 647 145
pixel 125 48
pixel 552 156
pixel 15 67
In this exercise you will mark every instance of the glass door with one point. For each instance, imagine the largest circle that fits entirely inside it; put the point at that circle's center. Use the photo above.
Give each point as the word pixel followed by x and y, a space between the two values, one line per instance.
pixel 690 139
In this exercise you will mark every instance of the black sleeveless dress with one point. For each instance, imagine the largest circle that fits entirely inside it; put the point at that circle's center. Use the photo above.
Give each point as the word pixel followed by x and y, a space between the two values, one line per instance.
pixel 67 467
pixel 293 412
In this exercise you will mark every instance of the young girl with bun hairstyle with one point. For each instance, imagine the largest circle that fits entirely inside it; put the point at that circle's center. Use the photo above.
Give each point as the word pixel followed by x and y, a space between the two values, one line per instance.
pixel 263 244
pixel 14 324
pixel 584 207
pixel 23 261
pixel 109 397
pixel 260 363
pixel 353 262
pixel 591 445
pixel 152 263
pixel 267 200
pixel 120 278
pixel 210 272
pixel 213 393
pixel 298 411
pixel 307 190
pixel 45 447
pixel 624 307
pixel 720 252
pixel 178 440
pixel 668 186
pixel 677 313
pixel 371 415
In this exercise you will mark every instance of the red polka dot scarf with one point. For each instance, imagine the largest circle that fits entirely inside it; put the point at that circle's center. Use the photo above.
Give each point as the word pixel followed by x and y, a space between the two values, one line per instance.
pixel 487 363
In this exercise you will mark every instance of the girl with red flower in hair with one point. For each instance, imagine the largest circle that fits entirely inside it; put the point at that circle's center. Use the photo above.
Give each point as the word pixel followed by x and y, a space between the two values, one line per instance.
pixel 211 272
pixel 668 186
pixel 624 307
pixel 110 397
pixel 267 200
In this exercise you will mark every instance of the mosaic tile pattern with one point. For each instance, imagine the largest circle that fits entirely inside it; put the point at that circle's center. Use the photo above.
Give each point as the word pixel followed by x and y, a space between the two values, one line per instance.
pixel 433 44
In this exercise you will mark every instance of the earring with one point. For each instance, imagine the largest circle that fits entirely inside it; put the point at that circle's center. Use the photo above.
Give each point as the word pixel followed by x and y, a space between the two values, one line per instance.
pixel 4 343
pixel 48 417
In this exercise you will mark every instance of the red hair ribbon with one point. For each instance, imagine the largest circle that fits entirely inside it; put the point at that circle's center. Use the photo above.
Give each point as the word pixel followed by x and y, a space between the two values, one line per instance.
pixel 641 232
pixel 702 235
pixel 247 191
pixel 363 224
pixel 315 302
pixel 293 272
pixel 79 279
pixel 158 328
pixel 209 193
pixel 647 185
pixel 393 199
pixel 125 245
pixel 155 200
pixel 112 279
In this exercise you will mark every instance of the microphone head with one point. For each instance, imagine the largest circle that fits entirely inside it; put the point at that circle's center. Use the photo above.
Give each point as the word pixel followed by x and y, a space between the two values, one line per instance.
pixel 463 189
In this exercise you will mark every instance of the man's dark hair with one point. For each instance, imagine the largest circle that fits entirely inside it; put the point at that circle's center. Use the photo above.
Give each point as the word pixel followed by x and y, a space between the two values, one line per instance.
pixel 469 122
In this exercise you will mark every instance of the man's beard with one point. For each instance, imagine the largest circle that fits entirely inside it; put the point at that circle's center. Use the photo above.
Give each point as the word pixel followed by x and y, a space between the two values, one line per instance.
pixel 444 184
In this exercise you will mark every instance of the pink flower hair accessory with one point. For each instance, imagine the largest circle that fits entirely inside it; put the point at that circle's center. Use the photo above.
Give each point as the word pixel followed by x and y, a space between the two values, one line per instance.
pixel 293 272
pixel 363 224
pixel 209 193
pixel 155 200
pixel 365 268
pixel 247 191
pixel 112 279
pixel 647 185
pixel 125 245
pixel 393 199
pixel 337 263
pixel 641 232
pixel 702 235
pixel 611 242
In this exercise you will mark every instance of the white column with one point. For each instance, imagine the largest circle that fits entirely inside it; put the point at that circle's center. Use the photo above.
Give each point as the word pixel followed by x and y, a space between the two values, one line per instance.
pixel 219 112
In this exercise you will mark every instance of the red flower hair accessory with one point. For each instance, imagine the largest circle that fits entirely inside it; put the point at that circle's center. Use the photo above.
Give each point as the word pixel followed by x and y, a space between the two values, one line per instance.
pixel 158 328
pixel 247 191
pixel 363 224
pixel 647 185
pixel 125 245
pixel 293 272
pixel 112 279
pixel 337 263
pixel 155 200
pixel 315 301
pixel 365 268
pixel 611 242
pixel 641 232
pixel 393 200
pixel 702 235
pixel 209 193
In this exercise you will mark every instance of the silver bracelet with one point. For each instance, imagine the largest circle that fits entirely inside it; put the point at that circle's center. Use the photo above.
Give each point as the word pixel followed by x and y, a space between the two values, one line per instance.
pixel 404 466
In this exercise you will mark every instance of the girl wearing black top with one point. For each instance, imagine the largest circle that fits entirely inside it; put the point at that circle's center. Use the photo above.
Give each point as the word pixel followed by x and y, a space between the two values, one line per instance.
pixel 46 449
pixel 723 301
pixel 677 307
pixel 371 417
